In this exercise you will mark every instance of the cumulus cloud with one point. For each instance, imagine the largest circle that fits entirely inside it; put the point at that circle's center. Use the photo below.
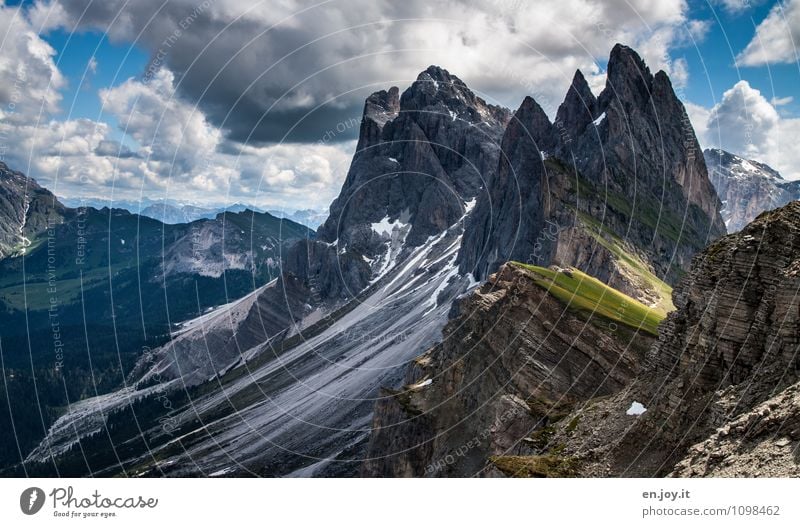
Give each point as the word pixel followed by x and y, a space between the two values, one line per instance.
pixel 746 123
pixel 776 38
pixel 168 128
pixel 29 79
pixel 290 69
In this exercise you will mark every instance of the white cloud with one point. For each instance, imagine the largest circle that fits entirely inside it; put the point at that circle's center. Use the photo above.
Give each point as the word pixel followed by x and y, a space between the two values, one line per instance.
pixel 776 38
pixel 746 123
pixel 167 127
pixel 735 6
pixel 781 101
pixel 744 120
pixel 29 79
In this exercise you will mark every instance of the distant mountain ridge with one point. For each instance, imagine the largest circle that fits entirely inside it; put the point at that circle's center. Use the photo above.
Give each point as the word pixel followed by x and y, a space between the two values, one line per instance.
pixel 173 211
pixel 108 284
pixel 746 187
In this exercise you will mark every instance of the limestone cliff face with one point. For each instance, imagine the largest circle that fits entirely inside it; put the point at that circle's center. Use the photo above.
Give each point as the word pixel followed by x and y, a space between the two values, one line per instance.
pixel 721 383
pixel 625 165
pixel 746 187
pixel 510 362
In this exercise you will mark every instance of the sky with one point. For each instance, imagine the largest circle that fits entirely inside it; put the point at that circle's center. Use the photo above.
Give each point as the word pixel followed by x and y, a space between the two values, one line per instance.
pixel 222 101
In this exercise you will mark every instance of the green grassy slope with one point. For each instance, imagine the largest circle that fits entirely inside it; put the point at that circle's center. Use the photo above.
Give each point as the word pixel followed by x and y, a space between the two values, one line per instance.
pixel 592 297
pixel 630 261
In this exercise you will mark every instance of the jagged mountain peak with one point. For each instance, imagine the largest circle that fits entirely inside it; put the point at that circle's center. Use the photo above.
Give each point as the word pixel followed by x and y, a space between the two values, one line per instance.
pixel 439 74
pixel 624 61
pixel 625 160
pixel 579 107
pixel 740 166
pixel 628 81
pixel 439 91
pixel 533 121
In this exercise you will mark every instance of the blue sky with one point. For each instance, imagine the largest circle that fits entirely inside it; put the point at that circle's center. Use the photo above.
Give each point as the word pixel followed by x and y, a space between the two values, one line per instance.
pixel 235 110
pixel 712 63
pixel 113 64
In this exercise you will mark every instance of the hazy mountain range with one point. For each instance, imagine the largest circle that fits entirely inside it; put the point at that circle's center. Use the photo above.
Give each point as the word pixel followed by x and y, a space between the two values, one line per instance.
pixel 172 211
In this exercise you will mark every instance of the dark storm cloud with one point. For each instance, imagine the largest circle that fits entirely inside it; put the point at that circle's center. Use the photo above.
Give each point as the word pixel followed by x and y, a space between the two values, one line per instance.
pixel 262 70
pixel 231 62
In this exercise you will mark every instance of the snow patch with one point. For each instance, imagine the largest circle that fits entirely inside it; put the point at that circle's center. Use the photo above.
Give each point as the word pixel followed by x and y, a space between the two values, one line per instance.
pixel 636 408
pixel 386 227
pixel 599 120
pixel 221 472
pixel 469 205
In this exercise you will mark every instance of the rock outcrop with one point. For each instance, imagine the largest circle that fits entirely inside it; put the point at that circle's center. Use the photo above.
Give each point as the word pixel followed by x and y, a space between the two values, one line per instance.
pixel 720 387
pixel 625 166
pixel 513 360
pixel 746 187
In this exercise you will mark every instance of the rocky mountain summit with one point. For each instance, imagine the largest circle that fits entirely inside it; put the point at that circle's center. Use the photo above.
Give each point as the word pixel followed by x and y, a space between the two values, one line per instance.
pixel 746 187
pixel 420 161
pixel 622 169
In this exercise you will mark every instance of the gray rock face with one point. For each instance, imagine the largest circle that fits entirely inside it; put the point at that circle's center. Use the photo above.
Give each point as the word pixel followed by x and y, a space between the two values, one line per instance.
pixel 746 187
pixel 517 206
pixel 577 111
pixel 739 309
pixel 26 209
pixel 627 163
pixel 421 158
